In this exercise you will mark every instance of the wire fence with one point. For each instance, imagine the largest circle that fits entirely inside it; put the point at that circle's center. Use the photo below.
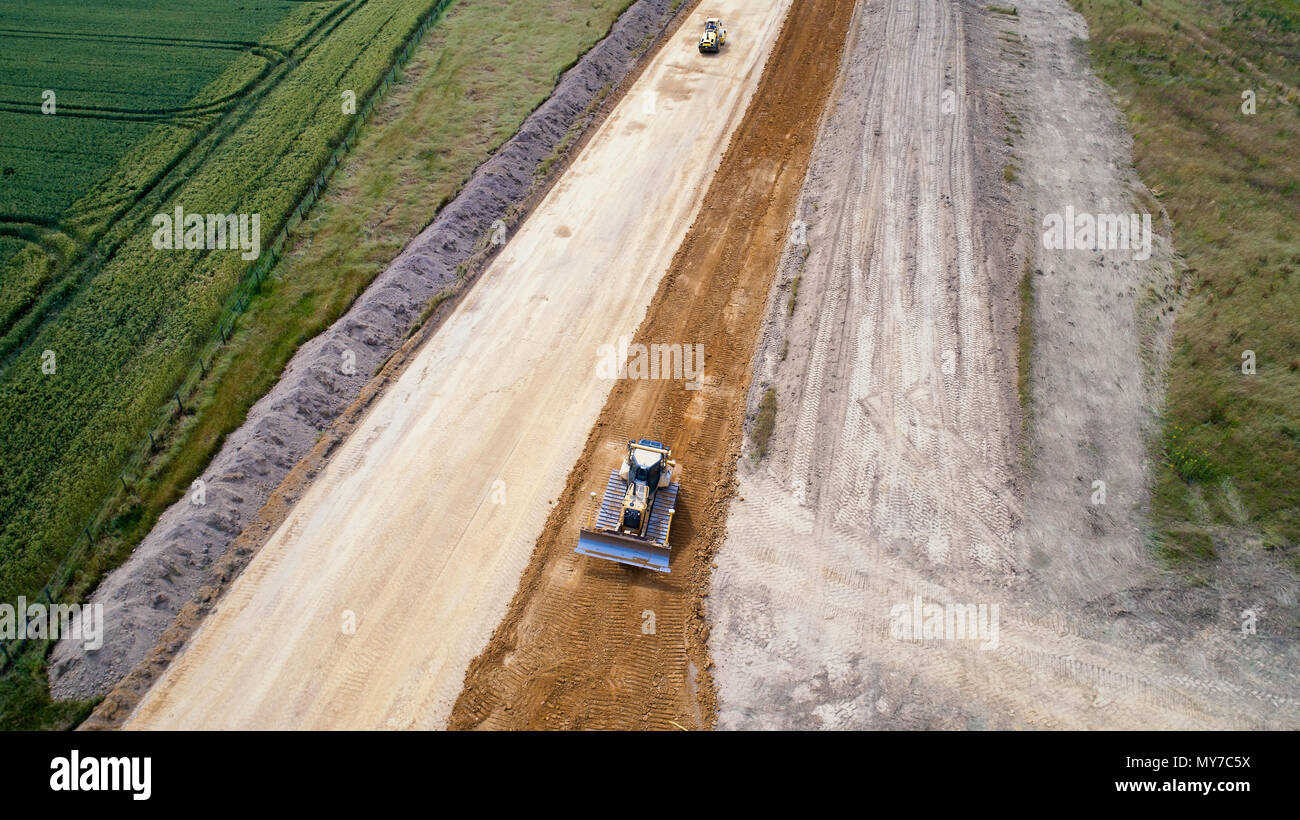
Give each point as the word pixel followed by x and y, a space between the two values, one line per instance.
pixel 237 305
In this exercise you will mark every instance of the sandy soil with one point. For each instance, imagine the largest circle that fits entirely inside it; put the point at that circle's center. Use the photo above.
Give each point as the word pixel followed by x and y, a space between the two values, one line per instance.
pixel 367 604
pixel 592 644
pixel 895 469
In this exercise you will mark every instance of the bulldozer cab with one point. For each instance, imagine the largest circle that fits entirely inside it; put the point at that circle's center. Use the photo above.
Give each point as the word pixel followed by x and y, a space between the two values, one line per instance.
pixel 645 465
pixel 635 502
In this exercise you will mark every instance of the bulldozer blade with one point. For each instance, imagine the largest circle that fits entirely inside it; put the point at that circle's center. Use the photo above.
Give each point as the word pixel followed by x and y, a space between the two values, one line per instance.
pixel 624 549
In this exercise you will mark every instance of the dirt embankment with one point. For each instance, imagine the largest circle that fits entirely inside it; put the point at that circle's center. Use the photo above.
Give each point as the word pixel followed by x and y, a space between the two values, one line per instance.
pixel 591 644
pixel 175 563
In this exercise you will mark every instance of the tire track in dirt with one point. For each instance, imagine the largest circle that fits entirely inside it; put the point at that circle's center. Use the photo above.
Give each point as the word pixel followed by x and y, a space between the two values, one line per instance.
pixel 571 651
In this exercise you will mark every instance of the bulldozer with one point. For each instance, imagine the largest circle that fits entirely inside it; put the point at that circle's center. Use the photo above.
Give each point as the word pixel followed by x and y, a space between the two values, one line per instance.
pixel 629 523
pixel 714 37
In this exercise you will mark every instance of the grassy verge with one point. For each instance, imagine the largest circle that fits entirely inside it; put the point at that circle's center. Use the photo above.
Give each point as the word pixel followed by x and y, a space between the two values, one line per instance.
pixel 1209 89
pixel 764 424
pixel 476 78
pixel 1025 339
pixel 25 699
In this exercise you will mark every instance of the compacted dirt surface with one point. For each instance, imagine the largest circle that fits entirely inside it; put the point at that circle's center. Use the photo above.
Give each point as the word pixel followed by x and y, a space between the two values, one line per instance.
pixel 390 573
pixel 593 644
pixel 896 480
pixel 840 208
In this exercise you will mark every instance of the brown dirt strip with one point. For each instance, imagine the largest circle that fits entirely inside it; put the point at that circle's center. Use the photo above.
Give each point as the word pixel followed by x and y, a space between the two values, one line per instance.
pixel 575 649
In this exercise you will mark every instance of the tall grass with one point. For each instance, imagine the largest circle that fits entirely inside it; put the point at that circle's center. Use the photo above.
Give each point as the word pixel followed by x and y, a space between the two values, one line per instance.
pixel 1184 72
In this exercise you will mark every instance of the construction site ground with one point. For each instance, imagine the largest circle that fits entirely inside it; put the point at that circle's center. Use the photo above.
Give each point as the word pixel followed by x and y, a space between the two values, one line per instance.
pixel 900 472
pixel 839 207
pixel 592 644
pixel 392 571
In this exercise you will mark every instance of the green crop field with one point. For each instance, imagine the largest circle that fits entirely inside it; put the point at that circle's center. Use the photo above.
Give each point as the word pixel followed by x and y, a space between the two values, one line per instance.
pixel 135 86
pixel 116 70
pixel 243 124
pixel 1210 91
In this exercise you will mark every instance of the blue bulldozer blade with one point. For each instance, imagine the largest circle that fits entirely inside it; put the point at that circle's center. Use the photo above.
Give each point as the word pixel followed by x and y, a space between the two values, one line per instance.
pixel 622 548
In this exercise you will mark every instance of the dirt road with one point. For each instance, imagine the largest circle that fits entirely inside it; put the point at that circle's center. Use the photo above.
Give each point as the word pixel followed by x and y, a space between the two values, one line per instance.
pixel 365 607
pixel 591 644
pixel 892 484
